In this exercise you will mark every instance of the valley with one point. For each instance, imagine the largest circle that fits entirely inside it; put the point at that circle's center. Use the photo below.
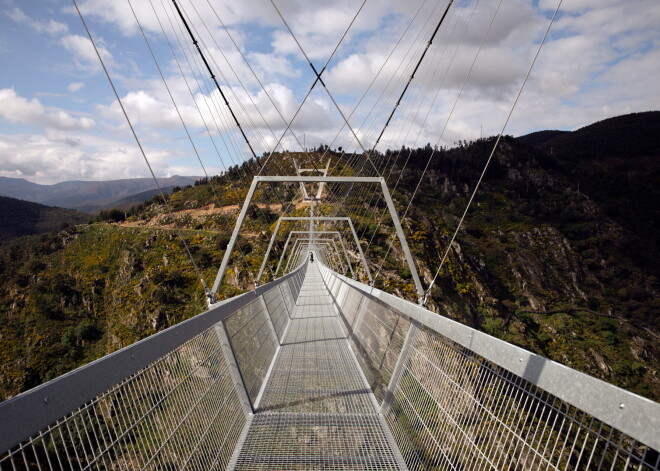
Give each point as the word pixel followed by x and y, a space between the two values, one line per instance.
pixel 545 259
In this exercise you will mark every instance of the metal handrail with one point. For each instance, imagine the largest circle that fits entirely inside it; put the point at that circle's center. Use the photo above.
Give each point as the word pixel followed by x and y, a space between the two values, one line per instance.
pixel 31 411
pixel 630 413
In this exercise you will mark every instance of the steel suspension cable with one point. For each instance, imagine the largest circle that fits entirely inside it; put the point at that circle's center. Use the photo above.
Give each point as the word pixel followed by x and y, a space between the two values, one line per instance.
pixel 199 85
pixel 238 78
pixel 371 84
pixel 210 182
pixel 412 76
pixel 183 19
pixel 139 144
pixel 246 118
pixel 288 204
pixel 428 162
pixel 412 108
pixel 233 145
pixel 270 98
pixel 364 190
pixel 313 84
pixel 169 92
pixel 216 107
pixel 490 157
pixel 392 83
pixel 181 11
pixel 244 259
pixel 440 87
pixel 318 75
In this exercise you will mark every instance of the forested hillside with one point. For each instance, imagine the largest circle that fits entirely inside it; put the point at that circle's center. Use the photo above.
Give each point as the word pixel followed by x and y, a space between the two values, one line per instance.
pixel 19 218
pixel 547 260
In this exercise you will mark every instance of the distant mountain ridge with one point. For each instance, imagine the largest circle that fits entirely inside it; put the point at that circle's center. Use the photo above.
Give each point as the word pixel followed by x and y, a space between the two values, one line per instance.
pixel 616 162
pixel 627 136
pixel 137 198
pixel 86 196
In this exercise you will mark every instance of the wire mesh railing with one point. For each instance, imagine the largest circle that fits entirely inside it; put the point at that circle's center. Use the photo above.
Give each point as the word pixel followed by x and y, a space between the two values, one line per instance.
pixel 455 398
pixel 176 400
pixel 180 412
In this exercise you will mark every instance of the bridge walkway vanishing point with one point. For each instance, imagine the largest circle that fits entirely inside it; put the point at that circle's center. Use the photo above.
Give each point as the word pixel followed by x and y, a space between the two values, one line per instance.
pixel 318 371
pixel 317 409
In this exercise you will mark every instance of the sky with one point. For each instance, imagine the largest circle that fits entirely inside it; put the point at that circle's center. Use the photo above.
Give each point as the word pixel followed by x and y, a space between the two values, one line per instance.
pixel 59 118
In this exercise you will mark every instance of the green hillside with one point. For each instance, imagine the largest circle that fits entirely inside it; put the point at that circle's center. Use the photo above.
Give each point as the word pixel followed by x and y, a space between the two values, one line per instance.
pixel 19 218
pixel 623 137
pixel 616 162
pixel 540 262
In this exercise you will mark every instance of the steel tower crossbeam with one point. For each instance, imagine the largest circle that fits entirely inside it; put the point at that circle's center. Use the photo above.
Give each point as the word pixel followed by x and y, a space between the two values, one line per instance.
pixel 317 242
pixel 272 241
pixel 337 233
pixel 313 179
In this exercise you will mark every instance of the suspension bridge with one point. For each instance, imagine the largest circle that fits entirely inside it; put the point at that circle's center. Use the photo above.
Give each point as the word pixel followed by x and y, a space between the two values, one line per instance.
pixel 315 367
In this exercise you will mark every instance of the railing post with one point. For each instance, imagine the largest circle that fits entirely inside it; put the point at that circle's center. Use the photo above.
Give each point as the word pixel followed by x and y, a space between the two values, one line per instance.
pixel 270 246
pixel 234 371
pixel 234 236
pixel 400 365
pixel 283 252
pixel 402 239
pixel 270 319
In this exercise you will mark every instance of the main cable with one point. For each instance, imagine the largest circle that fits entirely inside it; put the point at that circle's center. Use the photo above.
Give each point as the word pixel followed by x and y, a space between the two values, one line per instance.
pixel 421 127
pixel 210 181
pixel 222 94
pixel 318 74
pixel 451 112
pixel 190 27
pixel 412 76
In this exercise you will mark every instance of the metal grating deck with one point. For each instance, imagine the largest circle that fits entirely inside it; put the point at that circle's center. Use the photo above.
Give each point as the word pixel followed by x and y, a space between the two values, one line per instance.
pixel 300 441
pixel 317 410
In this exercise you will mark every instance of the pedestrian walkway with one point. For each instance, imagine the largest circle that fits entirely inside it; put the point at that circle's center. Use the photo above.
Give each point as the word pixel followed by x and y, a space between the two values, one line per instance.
pixel 316 410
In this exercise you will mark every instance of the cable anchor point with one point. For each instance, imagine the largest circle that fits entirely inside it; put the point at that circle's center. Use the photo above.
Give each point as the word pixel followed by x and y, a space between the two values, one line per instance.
pixel 211 298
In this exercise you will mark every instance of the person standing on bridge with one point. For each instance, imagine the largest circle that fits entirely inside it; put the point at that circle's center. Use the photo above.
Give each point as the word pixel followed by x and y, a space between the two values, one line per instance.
pixel 311 257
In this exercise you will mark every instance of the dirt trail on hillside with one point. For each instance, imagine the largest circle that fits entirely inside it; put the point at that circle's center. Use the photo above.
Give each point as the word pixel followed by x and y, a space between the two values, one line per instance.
pixel 197 213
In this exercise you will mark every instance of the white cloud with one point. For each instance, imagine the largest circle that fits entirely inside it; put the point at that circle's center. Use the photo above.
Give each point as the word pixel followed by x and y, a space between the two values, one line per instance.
pixel 84 55
pixel 16 109
pixel 151 111
pixel 269 66
pixel 56 156
pixel 50 27
pixel 75 86
pixel 587 71
pixel 119 14
pixel 577 5
pixel 601 60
